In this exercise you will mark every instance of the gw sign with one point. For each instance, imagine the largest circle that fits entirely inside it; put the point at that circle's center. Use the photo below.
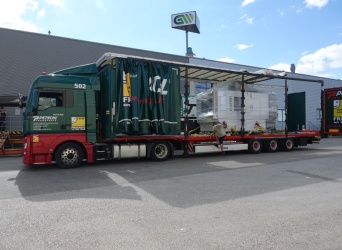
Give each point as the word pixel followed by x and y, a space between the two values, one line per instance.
pixel 186 21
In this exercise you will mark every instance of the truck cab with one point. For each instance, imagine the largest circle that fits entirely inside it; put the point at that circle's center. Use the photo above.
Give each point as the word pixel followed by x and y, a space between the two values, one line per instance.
pixel 60 107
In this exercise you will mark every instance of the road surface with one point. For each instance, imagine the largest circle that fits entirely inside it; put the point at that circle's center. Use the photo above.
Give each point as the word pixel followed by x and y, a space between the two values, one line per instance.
pixel 283 200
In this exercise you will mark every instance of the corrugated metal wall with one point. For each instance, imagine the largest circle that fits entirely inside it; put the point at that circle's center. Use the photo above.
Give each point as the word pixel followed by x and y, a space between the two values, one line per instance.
pixel 24 55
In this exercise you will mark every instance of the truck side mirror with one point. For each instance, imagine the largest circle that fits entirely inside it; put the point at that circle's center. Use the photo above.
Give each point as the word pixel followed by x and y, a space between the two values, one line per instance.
pixel 22 101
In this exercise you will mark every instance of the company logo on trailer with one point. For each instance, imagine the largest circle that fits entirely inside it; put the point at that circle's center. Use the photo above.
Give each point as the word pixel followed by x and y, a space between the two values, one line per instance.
pixel 333 94
pixel 127 93
pixel 153 83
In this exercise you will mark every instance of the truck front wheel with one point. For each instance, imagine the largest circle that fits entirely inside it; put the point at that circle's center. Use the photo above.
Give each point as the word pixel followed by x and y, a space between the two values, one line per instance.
pixel 69 155
pixel 160 151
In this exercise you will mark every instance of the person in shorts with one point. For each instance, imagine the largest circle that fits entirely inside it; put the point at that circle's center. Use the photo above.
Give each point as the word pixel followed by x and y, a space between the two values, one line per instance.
pixel 220 133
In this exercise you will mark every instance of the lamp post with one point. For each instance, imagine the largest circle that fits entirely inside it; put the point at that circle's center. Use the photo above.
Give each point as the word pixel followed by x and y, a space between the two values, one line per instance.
pixel 187 21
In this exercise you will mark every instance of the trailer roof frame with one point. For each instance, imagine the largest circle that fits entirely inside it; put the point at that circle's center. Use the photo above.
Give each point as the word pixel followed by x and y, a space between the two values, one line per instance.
pixel 208 73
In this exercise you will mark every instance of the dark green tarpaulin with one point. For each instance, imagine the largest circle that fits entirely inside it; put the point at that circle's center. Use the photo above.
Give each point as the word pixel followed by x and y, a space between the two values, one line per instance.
pixel 147 98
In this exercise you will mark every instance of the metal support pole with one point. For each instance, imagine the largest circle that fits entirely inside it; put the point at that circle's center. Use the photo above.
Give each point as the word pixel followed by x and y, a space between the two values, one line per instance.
pixel 243 106
pixel 321 113
pixel 286 107
pixel 186 43
pixel 321 116
pixel 186 102
pixel 186 121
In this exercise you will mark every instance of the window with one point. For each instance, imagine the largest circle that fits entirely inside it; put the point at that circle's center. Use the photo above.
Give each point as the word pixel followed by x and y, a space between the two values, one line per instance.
pixel 237 103
pixel 49 99
pixel 281 115
pixel 318 114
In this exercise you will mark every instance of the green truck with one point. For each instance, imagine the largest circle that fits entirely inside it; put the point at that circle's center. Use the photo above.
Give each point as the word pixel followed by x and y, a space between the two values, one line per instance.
pixel 130 107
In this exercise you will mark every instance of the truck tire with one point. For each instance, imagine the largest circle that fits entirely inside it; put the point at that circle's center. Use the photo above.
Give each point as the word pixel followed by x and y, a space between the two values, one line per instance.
pixel 287 144
pixel 69 155
pixel 254 146
pixel 271 145
pixel 160 151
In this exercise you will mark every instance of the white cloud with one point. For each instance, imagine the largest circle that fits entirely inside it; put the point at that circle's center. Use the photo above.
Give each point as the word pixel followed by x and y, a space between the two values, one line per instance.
pixel 57 3
pixel 316 3
pixel 282 67
pixel 241 46
pixel 99 4
pixel 11 12
pixel 41 13
pixel 246 2
pixel 226 59
pixel 247 19
pixel 323 59
pixel 319 63
pixel 32 5
pixel 305 52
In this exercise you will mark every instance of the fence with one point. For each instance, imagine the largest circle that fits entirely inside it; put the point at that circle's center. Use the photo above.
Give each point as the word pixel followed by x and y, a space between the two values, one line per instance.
pixel 14 123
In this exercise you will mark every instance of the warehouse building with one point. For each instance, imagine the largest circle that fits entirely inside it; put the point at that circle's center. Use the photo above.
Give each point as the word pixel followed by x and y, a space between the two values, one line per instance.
pixel 25 55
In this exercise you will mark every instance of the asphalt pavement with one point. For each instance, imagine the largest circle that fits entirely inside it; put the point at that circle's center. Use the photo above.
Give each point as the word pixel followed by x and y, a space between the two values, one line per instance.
pixel 283 200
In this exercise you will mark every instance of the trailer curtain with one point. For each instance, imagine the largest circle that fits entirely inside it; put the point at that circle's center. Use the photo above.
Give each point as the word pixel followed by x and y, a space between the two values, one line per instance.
pixel 148 98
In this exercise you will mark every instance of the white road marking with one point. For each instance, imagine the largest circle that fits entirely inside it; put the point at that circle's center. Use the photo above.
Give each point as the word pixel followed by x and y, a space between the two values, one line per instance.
pixel 235 164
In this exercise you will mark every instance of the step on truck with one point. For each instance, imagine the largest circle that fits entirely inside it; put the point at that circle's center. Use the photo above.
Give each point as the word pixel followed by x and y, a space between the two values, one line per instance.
pixel 130 107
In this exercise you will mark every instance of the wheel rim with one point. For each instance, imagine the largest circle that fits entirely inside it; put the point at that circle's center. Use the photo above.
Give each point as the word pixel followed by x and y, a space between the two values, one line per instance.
pixel 289 144
pixel 70 156
pixel 161 151
pixel 256 146
pixel 273 145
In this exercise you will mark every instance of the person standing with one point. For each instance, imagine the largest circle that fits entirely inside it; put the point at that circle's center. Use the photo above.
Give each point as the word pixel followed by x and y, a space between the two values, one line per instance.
pixel 3 118
pixel 220 133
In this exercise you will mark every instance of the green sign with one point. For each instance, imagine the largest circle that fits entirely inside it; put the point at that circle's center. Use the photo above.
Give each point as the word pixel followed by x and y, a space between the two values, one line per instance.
pixel 186 21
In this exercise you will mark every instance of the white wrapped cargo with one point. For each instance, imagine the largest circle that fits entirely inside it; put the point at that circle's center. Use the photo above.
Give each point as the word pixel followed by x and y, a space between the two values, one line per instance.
pixel 223 103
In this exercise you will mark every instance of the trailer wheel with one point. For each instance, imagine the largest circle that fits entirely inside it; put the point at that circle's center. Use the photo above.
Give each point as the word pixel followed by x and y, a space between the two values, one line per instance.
pixel 254 146
pixel 69 155
pixel 271 145
pixel 287 144
pixel 160 151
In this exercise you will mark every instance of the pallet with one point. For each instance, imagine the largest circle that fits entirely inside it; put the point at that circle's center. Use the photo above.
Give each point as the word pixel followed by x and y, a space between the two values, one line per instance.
pixel 11 151
pixel 10 146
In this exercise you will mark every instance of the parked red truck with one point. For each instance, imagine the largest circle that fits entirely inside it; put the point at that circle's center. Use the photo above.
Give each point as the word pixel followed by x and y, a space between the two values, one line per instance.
pixel 129 107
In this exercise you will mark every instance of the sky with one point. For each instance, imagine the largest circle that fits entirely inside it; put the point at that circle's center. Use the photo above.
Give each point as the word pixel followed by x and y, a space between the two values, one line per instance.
pixel 262 33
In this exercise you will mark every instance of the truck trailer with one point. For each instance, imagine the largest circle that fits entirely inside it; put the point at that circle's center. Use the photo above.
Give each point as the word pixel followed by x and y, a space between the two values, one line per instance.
pixel 130 107
pixel 332 111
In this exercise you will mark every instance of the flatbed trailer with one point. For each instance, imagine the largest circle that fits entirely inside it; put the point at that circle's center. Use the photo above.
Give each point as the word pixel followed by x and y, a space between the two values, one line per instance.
pixel 253 143
pixel 95 112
